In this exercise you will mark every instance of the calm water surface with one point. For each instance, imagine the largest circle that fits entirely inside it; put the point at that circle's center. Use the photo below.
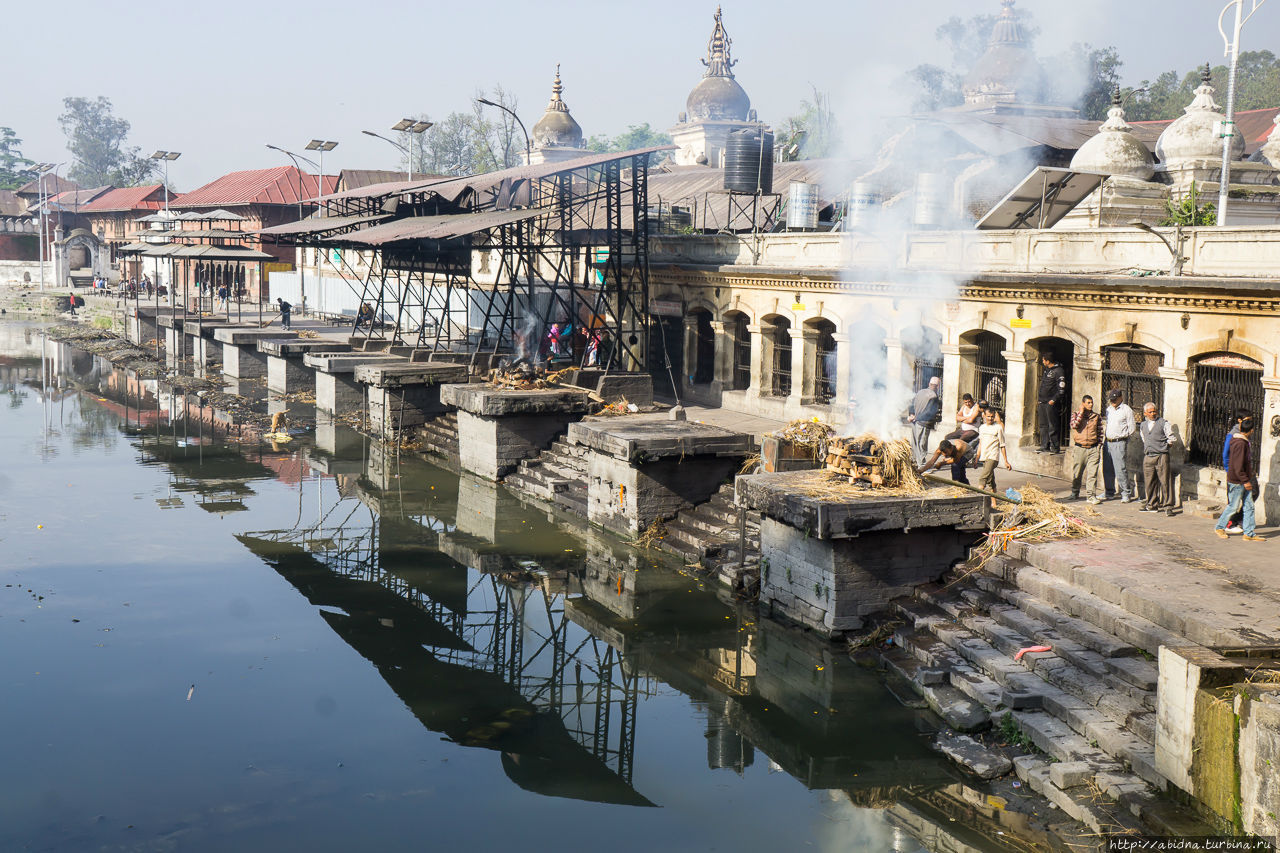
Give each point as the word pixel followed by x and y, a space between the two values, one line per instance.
pixel 313 646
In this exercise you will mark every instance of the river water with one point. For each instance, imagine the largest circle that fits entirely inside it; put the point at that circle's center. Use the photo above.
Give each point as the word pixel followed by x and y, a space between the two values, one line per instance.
pixel 317 646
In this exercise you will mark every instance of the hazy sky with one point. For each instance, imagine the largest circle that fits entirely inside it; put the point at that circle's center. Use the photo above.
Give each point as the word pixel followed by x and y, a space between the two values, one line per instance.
pixel 217 81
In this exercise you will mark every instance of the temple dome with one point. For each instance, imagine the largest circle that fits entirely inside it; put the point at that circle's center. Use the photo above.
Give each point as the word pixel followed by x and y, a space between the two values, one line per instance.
pixel 556 128
pixel 718 95
pixel 1269 153
pixel 1008 72
pixel 1194 135
pixel 1115 150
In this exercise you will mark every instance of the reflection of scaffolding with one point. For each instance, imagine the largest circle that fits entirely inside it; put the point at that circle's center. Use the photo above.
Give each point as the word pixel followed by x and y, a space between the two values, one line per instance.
pixel 562 243
pixel 519 633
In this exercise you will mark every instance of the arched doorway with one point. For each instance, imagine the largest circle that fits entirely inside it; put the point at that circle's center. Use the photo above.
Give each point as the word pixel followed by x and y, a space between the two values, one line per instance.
pixel 776 332
pixel 990 368
pixel 703 369
pixel 1134 371
pixel 666 352
pixel 740 336
pixel 822 333
pixel 923 347
pixel 1221 383
pixel 1062 352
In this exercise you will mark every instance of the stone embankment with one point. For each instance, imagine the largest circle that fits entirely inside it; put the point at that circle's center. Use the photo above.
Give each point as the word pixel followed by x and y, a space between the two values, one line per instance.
pixel 1084 712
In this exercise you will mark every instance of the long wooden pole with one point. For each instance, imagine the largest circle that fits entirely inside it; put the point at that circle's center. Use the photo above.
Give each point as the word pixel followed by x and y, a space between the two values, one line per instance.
pixel 934 478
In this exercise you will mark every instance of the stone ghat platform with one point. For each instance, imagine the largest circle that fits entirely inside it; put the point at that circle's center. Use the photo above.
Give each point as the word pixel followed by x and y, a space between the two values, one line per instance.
pixel 286 372
pixel 642 469
pixel 337 391
pixel 833 555
pixel 401 395
pixel 500 427
pixel 240 356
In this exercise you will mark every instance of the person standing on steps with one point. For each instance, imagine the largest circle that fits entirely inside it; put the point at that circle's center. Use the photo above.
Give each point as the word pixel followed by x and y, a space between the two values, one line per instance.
pixel 1157 439
pixel 1086 455
pixel 1119 427
pixel 991 447
pixel 1053 390
pixel 1242 483
pixel 926 411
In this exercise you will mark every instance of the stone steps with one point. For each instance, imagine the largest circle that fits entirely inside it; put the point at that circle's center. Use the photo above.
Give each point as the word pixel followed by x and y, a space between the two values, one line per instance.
pixel 1087 705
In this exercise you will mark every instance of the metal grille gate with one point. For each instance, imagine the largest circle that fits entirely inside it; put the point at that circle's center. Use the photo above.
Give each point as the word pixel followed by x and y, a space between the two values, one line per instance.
pixel 1135 371
pixel 991 375
pixel 1219 386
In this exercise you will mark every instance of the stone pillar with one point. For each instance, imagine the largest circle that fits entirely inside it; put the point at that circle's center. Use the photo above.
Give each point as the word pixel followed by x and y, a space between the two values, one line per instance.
pixel 1018 419
pixel 689 368
pixel 893 377
pixel 1268 438
pixel 723 334
pixel 758 373
pixel 802 344
pixel 843 373
pixel 959 366
pixel 1087 379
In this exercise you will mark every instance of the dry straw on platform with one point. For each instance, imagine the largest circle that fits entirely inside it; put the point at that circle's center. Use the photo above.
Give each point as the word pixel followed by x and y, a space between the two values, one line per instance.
pixel 810 434
pixel 1036 519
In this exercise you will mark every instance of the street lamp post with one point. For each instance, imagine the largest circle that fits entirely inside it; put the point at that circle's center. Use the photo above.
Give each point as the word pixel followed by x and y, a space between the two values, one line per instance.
pixel 41 169
pixel 528 149
pixel 1228 132
pixel 168 157
pixel 302 283
pixel 406 125
pixel 322 146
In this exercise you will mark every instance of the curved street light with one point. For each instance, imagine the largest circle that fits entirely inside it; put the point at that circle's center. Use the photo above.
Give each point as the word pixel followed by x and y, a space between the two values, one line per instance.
pixel 528 149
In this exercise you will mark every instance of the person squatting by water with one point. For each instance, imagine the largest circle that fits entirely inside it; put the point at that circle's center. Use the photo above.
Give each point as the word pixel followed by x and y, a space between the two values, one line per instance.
pixel 1157 438
pixel 924 414
pixel 1242 483
pixel 1053 390
pixel 1086 454
pixel 991 449
pixel 1119 427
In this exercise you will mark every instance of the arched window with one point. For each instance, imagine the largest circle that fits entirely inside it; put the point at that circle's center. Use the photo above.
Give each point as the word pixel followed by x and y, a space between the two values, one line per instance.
pixel 990 368
pixel 777 338
pixel 741 337
pixel 1135 371
pixel 824 360
pixel 924 348
pixel 1221 383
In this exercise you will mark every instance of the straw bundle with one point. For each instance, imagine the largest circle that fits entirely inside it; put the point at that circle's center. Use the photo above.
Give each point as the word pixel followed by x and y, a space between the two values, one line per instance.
pixel 809 434
pixel 1037 518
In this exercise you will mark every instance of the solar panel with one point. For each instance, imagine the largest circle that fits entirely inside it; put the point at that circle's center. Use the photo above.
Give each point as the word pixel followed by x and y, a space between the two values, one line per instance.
pixel 1041 200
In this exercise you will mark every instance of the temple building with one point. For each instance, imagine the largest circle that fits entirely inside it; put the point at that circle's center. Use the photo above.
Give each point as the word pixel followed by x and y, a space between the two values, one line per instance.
pixel 716 107
pixel 557 136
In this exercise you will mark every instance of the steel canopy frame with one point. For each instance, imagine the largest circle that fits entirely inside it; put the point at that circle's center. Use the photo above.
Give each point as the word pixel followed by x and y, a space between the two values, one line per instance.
pixel 574 262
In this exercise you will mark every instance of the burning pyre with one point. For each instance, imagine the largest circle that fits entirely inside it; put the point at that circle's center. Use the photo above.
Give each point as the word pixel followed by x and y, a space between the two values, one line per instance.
pixel 870 461
pixel 522 375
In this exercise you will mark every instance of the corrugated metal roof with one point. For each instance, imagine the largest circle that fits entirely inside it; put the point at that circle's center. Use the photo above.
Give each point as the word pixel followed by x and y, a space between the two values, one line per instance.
pixel 319 225
pixel 73 200
pixel 353 179
pixel 11 205
pixel 53 184
pixel 127 198
pixel 277 185
pixel 435 227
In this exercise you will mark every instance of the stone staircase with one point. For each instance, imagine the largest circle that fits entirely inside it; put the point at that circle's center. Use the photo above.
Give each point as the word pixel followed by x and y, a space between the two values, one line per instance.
pixel 557 475
pixel 707 535
pixel 1088 706
pixel 440 436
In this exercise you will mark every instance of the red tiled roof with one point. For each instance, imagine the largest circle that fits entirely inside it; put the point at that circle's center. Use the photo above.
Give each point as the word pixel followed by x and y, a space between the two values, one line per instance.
pixel 1256 125
pixel 277 185
pixel 128 198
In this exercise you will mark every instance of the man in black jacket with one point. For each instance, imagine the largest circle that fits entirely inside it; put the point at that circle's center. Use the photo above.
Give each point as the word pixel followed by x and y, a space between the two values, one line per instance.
pixel 1053 389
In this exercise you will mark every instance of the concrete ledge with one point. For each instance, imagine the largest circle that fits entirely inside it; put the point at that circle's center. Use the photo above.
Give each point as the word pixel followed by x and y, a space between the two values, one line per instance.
pixel 640 437
pixel 399 375
pixel 789 498
pixel 335 363
pixel 286 347
pixel 240 336
pixel 492 402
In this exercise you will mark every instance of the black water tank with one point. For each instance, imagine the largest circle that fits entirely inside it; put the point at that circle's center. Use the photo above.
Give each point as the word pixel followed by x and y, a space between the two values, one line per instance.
pixel 748 161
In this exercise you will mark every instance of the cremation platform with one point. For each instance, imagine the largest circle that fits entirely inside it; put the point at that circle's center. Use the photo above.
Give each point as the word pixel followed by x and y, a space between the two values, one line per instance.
pixel 402 395
pixel 286 373
pixel 832 555
pixel 240 356
pixel 646 468
pixel 499 427
pixel 337 391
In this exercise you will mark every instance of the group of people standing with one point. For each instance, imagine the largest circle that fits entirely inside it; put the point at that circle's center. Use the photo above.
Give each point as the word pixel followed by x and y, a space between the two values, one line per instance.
pixel 978 439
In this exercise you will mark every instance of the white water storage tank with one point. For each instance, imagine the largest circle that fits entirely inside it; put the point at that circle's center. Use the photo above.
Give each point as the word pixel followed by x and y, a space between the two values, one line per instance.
pixel 864 205
pixel 931 200
pixel 802 207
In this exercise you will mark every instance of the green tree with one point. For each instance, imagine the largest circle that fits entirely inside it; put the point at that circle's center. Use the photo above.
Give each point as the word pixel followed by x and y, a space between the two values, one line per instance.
pixel 96 139
pixel 635 136
pixel 1099 68
pixel 1257 81
pixel 811 133
pixel 14 171
pixel 465 143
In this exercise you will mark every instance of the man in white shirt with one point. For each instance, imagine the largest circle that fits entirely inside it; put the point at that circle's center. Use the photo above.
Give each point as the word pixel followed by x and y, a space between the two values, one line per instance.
pixel 1120 427
pixel 991 447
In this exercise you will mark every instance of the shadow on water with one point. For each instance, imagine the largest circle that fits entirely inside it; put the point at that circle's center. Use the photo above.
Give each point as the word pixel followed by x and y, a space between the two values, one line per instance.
pixel 508 629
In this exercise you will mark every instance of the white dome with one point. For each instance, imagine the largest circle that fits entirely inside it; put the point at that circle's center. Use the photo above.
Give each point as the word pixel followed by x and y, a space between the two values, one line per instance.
pixel 1269 153
pixel 1194 135
pixel 1114 150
